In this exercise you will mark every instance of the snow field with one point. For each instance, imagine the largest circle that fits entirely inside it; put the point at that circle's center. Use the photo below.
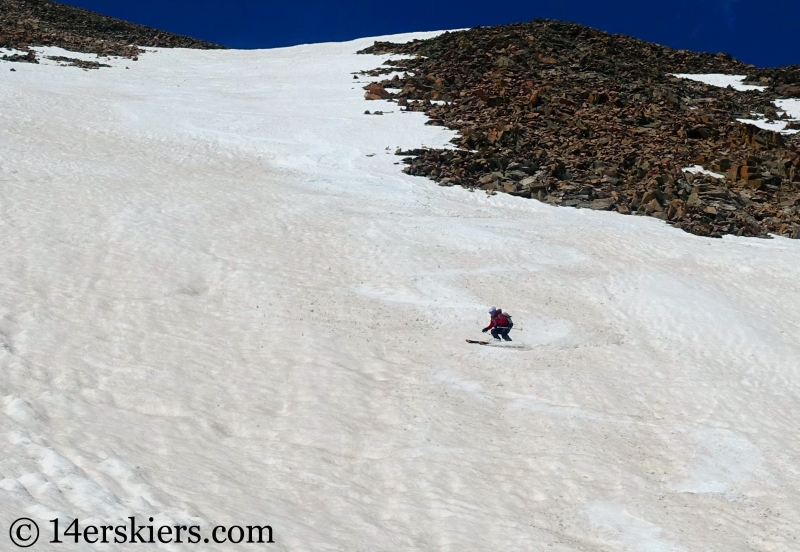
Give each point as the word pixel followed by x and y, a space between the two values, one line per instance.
pixel 217 309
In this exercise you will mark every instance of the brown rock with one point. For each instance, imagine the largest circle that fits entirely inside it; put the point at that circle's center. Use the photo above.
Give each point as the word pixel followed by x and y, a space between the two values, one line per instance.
pixel 699 132
pixel 788 91
pixel 749 173
pixel 601 204
pixel 377 92
pixel 654 206
pixel 648 197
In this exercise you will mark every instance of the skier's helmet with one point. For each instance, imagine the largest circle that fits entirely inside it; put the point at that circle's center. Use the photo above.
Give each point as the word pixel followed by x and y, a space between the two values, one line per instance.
pixel 492 310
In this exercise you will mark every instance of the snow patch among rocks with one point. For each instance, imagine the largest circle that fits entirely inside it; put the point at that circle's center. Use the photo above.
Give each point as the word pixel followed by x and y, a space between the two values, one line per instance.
pixel 698 169
pixel 766 124
pixel 722 81
pixel 790 106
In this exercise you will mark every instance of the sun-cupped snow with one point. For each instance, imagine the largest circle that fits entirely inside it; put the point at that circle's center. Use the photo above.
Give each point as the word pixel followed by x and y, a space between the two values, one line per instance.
pixel 224 303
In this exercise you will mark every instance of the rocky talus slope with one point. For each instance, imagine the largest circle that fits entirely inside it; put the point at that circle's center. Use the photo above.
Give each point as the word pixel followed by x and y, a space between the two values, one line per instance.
pixel 574 116
pixel 26 23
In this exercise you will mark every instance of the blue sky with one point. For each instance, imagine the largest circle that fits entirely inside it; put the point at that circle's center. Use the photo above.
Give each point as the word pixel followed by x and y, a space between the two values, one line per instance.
pixel 763 33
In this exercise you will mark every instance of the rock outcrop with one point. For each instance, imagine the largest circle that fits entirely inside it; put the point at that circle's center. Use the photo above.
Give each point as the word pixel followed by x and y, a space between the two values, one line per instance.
pixel 26 23
pixel 577 117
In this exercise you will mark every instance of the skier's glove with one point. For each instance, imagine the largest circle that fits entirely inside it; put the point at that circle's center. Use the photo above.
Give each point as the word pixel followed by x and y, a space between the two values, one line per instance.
pixel 485 330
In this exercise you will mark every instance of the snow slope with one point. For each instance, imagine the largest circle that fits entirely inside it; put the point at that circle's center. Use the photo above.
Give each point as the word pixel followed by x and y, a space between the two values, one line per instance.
pixel 217 307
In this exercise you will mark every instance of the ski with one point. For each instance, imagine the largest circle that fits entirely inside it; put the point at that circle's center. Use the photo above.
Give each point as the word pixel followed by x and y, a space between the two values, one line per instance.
pixel 499 345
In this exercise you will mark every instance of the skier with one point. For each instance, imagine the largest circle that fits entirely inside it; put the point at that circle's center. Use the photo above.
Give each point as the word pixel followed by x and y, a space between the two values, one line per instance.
pixel 501 324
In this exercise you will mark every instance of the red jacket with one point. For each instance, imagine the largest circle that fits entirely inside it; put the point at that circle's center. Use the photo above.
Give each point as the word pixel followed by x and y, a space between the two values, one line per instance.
pixel 499 320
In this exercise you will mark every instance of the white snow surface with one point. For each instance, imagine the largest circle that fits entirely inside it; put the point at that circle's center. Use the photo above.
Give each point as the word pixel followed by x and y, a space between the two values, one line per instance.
pixel 775 126
pixel 791 106
pixel 217 308
pixel 721 80
pixel 698 169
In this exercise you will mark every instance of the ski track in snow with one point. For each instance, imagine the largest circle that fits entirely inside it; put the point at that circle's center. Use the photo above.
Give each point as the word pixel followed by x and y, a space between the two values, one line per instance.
pixel 215 308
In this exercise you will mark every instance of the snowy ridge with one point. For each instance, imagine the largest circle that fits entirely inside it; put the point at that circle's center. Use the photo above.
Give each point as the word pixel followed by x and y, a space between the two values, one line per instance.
pixel 217 307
